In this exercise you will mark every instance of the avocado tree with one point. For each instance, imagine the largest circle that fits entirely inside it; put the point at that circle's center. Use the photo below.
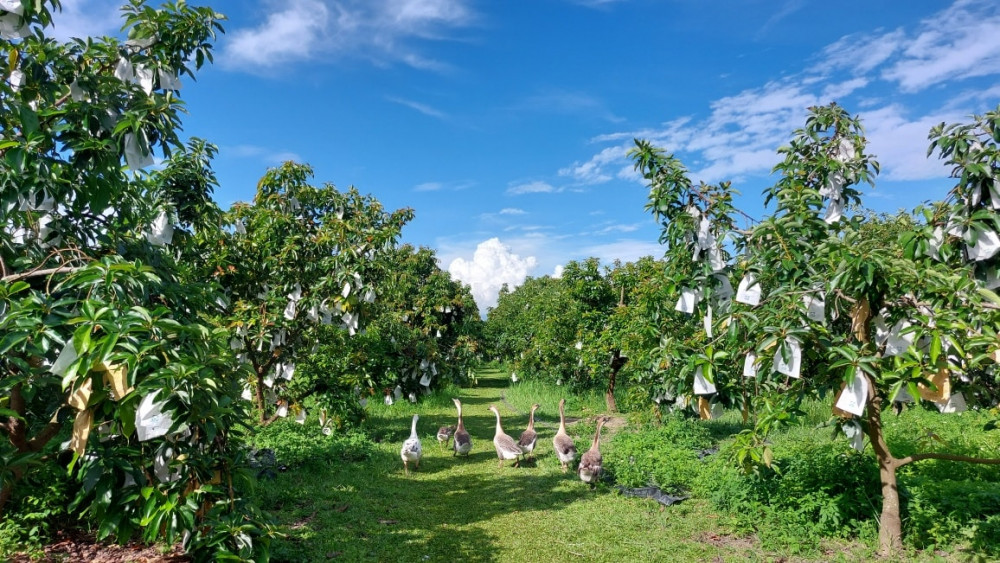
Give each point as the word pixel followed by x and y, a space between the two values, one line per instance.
pixel 421 332
pixel 109 359
pixel 823 310
pixel 297 258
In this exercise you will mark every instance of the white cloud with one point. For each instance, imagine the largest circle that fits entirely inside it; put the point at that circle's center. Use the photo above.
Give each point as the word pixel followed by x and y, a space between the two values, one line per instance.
pixel 301 30
pixel 537 187
pixel 740 135
pixel 619 228
pixel 262 154
pixel 962 41
pixel 493 264
pixel 512 211
pixel 624 250
pixel 860 53
pixel 422 108
pixel 900 143
pixel 593 171
pixel 557 272
pixel 86 18
pixel 428 187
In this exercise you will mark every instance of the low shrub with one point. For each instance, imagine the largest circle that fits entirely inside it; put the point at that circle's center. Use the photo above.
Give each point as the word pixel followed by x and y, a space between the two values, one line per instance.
pixel 666 456
pixel 297 445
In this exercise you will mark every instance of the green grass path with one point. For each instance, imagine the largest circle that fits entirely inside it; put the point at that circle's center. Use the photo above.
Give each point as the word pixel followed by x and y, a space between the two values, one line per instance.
pixel 468 509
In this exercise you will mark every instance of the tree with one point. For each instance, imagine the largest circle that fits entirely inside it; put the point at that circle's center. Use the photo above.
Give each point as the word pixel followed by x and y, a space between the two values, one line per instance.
pixel 422 332
pixel 820 310
pixel 105 336
pixel 297 258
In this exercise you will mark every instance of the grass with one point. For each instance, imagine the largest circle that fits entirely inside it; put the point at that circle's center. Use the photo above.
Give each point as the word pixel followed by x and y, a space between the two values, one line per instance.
pixel 469 509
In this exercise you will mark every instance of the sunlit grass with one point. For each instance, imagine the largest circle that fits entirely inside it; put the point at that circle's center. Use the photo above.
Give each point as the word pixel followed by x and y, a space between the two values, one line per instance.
pixel 455 508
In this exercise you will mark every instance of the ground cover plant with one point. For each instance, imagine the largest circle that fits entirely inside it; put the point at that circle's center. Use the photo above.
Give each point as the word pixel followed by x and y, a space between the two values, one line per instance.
pixel 817 508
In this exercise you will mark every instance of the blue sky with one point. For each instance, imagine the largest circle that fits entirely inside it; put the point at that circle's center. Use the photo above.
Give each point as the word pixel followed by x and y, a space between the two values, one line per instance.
pixel 504 124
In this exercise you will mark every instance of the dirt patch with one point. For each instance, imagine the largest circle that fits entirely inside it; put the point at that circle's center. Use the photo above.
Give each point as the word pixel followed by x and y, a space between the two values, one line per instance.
pixel 726 541
pixel 72 545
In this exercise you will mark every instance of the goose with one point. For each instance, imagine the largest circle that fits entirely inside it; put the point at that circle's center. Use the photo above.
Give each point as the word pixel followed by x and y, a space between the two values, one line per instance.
pixel 529 437
pixel 444 434
pixel 507 448
pixel 411 448
pixel 562 444
pixel 463 442
pixel 590 463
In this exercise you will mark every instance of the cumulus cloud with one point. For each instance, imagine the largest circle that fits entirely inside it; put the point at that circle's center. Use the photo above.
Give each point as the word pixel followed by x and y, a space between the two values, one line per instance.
pixel 301 30
pixel 557 272
pixel 493 264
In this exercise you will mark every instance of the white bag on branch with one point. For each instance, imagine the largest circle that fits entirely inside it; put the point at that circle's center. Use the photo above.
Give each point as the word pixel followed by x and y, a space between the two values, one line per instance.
pixel 66 357
pixel 815 306
pixel 425 380
pixel 987 245
pixel 791 366
pixel 150 420
pixel 137 152
pixel 702 386
pixel 749 291
pixel 725 289
pixel 955 404
pixel 854 397
pixel 750 365
pixel 161 232
pixel 687 301
pixel 934 243
pixel 896 343
pixel 300 417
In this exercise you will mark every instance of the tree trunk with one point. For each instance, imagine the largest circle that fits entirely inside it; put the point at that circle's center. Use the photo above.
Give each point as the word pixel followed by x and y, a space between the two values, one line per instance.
pixel 617 361
pixel 890 532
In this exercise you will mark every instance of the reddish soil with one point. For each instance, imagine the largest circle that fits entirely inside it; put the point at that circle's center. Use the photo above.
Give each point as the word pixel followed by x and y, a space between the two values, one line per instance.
pixel 73 546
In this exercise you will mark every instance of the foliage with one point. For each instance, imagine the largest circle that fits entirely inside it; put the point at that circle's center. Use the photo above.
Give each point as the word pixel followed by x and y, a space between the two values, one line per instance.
pixel 666 456
pixel 298 445
pixel 830 294
pixel 100 316
pixel 297 258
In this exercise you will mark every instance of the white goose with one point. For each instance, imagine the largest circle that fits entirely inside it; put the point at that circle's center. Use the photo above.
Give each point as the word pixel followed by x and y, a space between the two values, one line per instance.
pixel 411 448
pixel 529 437
pixel 506 447
pixel 562 444
pixel 463 442
pixel 591 462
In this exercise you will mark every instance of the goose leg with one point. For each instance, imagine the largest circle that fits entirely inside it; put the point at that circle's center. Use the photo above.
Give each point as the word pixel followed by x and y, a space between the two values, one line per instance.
pixel 406 469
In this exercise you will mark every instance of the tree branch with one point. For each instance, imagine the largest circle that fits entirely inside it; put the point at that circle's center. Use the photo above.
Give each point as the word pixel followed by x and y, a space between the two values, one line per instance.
pixel 40 273
pixel 948 457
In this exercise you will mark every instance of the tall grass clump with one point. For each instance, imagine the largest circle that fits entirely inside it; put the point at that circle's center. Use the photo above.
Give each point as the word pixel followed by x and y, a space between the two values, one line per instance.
pixel 667 455
pixel 304 445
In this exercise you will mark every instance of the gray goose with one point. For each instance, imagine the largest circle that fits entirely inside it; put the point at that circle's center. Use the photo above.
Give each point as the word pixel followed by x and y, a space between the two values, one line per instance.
pixel 506 447
pixel 562 444
pixel 463 442
pixel 591 462
pixel 529 437
pixel 444 434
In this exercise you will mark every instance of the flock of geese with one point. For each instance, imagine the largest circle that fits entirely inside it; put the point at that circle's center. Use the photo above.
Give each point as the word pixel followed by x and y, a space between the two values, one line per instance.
pixel 507 448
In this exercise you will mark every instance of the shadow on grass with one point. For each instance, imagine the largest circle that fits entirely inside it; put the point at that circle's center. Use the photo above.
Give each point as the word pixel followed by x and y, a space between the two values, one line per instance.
pixel 362 512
